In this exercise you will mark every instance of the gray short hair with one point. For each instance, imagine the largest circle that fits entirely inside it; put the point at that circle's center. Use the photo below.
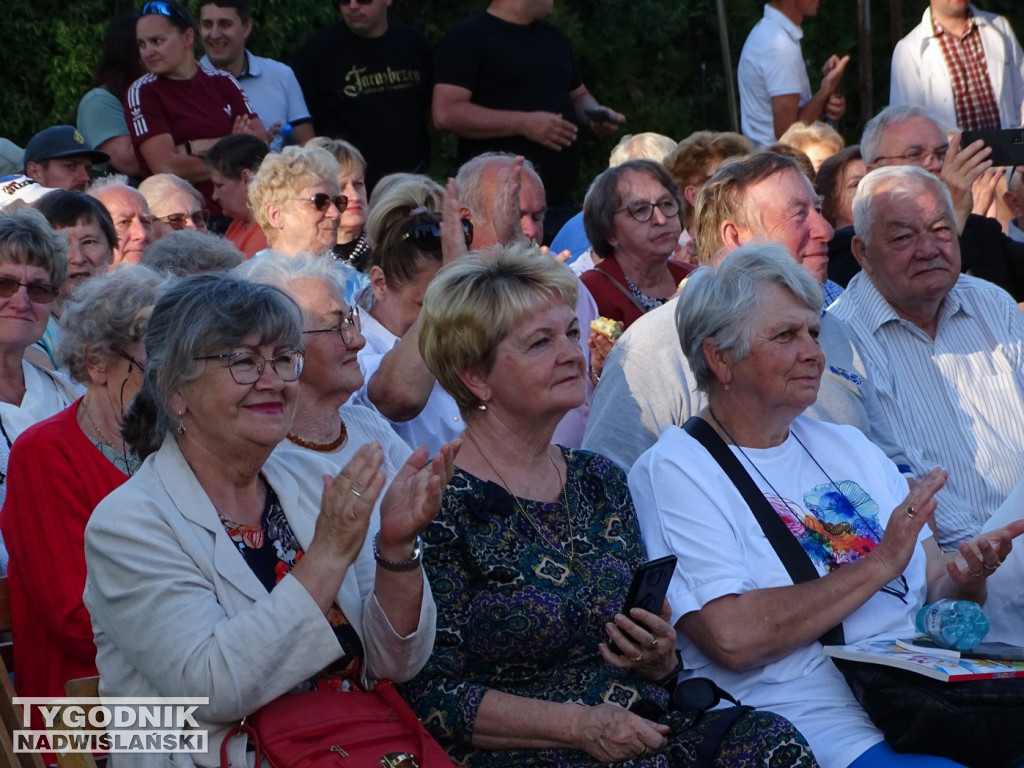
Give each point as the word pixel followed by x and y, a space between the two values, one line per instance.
pixel 470 177
pixel 201 315
pixel 283 271
pixel 603 200
pixel 897 181
pixel 871 137
pixel 476 301
pixel 720 303
pixel 26 237
pixel 187 252
pixel 158 187
pixel 641 146
pixel 106 316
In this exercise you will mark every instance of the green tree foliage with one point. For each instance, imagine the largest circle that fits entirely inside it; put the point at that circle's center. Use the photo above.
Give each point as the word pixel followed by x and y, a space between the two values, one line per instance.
pixel 657 61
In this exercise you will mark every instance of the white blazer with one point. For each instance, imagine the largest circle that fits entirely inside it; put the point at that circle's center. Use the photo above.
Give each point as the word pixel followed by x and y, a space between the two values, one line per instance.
pixel 176 611
pixel 919 74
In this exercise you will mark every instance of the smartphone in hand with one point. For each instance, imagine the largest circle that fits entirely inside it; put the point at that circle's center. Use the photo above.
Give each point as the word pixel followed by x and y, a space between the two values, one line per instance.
pixel 649 587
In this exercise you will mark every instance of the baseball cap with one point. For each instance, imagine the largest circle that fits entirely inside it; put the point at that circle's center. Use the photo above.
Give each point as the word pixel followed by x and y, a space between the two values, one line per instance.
pixel 60 141
pixel 20 188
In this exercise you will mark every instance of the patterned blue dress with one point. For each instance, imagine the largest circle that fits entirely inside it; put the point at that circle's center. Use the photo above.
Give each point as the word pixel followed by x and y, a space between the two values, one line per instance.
pixel 516 614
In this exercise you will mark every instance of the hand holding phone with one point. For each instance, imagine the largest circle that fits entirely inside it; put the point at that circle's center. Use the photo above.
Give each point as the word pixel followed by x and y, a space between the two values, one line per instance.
pixel 648 589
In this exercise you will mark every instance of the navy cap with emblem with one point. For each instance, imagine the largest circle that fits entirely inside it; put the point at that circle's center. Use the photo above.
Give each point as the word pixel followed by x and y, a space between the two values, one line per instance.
pixel 60 141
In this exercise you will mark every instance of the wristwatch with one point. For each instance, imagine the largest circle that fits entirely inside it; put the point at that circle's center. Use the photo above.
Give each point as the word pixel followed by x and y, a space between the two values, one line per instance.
pixel 405 565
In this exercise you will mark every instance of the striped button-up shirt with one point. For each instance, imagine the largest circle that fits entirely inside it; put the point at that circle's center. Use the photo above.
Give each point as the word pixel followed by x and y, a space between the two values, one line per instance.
pixel 956 401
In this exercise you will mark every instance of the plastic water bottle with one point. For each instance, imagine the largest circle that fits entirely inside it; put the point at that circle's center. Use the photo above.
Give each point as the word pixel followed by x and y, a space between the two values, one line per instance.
pixel 956 624
pixel 282 139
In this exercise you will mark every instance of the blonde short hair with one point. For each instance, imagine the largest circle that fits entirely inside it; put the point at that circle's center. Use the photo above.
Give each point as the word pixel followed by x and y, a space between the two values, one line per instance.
pixel 349 158
pixel 475 302
pixel 803 136
pixel 283 174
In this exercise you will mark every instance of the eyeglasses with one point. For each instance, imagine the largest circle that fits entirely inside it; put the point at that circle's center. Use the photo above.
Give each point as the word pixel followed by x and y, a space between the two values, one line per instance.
pixel 131 360
pixel 247 367
pixel 348 326
pixel 160 8
pixel 918 156
pixel 38 293
pixel 321 200
pixel 199 219
pixel 643 210
pixel 426 235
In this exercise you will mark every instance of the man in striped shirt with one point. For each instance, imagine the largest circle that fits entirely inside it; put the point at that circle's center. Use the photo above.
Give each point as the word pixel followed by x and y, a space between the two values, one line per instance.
pixel 945 350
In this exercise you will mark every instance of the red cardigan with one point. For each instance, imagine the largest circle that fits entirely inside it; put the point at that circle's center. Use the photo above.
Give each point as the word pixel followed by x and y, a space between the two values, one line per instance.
pixel 55 478
pixel 613 303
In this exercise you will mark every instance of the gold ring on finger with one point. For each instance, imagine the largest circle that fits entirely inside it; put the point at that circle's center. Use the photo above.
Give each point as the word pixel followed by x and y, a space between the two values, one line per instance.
pixel 911 512
pixel 637 658
pixel 990 568
pixel 654 644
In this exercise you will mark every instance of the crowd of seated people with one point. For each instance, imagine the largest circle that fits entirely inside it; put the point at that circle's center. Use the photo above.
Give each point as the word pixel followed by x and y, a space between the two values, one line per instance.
pixel 386 434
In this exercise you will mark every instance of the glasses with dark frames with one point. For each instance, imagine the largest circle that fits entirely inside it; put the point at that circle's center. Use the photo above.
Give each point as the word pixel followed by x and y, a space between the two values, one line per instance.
pixel 38 293
pixel 347 327
pixel 426 235
pixel 643 210
pixel 321 200
pixel 199 218
pixel 248 367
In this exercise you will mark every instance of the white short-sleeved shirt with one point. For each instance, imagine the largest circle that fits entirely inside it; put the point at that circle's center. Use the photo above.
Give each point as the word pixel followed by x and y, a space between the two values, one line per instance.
pixel 771 64
pixel 687 506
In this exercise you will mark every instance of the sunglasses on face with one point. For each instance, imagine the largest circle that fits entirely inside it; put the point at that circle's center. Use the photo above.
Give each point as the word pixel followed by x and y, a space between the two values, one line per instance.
pixel 426 235
pixel 179 220
pixel 321 200
pixel 38 293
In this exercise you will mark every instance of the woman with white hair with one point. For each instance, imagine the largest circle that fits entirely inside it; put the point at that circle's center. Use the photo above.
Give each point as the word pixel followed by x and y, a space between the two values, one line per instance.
pixel 174 203
pixel 749 329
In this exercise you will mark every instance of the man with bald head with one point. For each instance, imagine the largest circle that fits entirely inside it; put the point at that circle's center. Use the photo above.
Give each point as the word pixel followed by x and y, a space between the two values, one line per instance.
pixel 402 384
pixel 945 350
pixel 647 383
pixel 132 219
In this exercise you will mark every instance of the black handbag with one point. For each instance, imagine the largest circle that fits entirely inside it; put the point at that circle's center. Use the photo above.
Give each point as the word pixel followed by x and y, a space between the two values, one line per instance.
pixel 977 723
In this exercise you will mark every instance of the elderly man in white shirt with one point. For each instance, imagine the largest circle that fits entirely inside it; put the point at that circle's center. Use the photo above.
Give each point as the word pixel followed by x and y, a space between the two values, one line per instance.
pixel 945 350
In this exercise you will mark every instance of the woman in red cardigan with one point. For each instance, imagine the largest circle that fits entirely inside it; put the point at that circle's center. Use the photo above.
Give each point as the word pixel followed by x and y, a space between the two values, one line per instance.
pixel 61 468
pixel 631 217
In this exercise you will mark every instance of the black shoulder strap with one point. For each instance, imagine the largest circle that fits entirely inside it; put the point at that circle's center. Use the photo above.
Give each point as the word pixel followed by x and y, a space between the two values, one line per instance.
pixel 798 564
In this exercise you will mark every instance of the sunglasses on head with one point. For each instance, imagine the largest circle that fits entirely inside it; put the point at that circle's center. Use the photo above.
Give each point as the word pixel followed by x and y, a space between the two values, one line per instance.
pixel 321 200
pixel 426 235
pixel 160 8
pixel 38 293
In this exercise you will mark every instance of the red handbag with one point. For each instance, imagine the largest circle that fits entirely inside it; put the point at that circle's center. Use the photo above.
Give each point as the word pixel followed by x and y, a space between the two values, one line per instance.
pixel 339 729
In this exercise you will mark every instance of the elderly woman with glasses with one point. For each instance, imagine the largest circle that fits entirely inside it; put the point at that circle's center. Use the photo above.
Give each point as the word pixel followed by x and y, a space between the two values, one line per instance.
pixel 174 203
pixel 61 468
pixel 631 217
pixel 255 578
pixel 179 110
pixel 295 199
pixel 404 225
pixel 33 266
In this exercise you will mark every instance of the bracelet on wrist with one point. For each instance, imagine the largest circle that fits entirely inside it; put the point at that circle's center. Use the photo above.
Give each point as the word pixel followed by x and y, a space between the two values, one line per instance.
pixel 402 565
